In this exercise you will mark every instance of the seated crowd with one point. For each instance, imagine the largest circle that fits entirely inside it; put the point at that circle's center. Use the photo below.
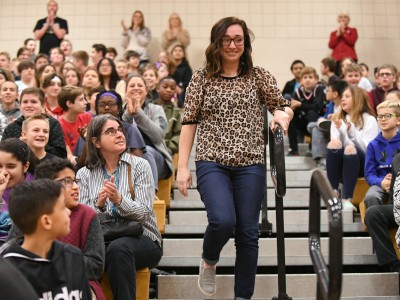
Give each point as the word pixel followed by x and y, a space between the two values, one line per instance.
pixel 81 145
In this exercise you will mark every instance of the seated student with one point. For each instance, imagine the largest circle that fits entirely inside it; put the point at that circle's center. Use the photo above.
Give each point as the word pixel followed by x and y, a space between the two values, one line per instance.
pixel 122 69
pixel 26 69
pixel 386 82
pixel 166 90
pixel 381 218
pixel 380 153
pixel 149 73
pixel 292 85
pixel 308 104
pixel 52 85
pixel 41 60
pixel 353 75
pixel 80 59
pixel 104 186
pixel 393 96
pixel 152 123
pixel 90 80
pixel 111 53
pixel 91 99
pixel 133 59
pixel 352 129
pixel 72 101
pixel 9 107
pixel 35 132
pixel 17 164
pixel 328 67
pixel 13 285
pixel 110 102
pixel 54 269
pixel 32 103
pixel 85 231
pixel 320 130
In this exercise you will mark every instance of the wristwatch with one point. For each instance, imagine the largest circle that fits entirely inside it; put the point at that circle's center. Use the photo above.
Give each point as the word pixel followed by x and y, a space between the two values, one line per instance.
pixel 282 108
pixel 102 209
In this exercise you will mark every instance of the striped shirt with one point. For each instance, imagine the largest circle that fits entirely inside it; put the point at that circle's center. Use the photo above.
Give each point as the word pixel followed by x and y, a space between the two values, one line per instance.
pixel 140 209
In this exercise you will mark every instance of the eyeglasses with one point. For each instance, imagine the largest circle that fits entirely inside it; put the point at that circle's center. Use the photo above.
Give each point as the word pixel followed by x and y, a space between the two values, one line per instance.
pixel 69 182
pixel 227 40
pixel 385 116
pixel 113 131
pixel 106 65
pixel 385 74
pixel 109 104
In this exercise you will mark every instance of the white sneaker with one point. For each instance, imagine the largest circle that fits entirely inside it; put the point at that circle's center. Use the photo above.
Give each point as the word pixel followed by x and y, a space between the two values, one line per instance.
pixel 347 205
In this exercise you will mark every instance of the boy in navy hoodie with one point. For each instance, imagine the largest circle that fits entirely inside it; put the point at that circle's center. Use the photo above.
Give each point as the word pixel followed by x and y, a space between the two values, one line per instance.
pixel 380 153
pixel 55 270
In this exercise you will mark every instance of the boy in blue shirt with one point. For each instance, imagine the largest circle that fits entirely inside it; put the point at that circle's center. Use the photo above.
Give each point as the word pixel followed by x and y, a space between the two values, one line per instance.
pixel 380 153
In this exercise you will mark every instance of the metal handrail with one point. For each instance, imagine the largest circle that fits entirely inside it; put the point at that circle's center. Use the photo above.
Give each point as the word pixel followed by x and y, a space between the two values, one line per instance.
pixel 329 279
pixel 278 174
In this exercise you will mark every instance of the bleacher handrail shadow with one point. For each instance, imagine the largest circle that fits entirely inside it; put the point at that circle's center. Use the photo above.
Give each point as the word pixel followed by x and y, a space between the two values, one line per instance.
pixel 329 279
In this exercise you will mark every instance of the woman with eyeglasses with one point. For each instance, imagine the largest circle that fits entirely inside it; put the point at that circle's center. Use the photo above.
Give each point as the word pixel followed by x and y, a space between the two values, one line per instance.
pixel 224 104
pixel 104 187
pixel 352 129
pixel 108 73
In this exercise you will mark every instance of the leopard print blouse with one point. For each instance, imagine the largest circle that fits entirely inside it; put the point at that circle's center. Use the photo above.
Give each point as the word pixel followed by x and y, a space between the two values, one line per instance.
pixel 228 114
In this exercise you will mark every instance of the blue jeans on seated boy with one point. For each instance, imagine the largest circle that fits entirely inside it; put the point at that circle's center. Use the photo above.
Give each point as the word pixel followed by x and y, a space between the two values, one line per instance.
pixel 232 197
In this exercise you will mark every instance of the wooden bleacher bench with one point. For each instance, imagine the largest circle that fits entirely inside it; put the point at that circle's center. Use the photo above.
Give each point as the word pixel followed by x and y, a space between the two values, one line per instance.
pixel 142 285
pixel 160 210
pixel 359 192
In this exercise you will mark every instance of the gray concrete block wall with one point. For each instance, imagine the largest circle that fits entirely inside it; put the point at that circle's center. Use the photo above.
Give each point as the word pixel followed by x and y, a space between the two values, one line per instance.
pixel 284 29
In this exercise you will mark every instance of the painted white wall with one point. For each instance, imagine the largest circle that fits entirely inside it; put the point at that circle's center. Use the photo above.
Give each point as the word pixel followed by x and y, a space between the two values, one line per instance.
pixel 284 29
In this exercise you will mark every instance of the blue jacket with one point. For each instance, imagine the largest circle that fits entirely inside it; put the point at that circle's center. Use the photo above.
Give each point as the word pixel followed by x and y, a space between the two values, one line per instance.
pixel 379 156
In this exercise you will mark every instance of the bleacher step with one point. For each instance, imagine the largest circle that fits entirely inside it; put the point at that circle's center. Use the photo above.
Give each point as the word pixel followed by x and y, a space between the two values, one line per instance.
pixel 294 198
pixel 295 178
pixel 298 286
pixel 187 252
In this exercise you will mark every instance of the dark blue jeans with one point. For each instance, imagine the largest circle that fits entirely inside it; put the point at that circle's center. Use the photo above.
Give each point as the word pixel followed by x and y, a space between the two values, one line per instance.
pixel 346 168
pixel 232 197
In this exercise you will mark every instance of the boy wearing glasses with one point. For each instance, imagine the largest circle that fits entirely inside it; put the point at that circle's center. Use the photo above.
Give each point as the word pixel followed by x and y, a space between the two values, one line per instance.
pixel 380 153
pixel 72 100
pixel 386 79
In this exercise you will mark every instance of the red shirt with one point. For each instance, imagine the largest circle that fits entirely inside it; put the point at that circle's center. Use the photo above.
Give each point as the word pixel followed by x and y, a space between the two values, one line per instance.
pixel 70 130
pixel 343 45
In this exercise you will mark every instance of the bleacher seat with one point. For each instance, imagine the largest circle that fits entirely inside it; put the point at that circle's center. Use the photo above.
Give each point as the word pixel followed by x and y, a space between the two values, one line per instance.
pixel 142 285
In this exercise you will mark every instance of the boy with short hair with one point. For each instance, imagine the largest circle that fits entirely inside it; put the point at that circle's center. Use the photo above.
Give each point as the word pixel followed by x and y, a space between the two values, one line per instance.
pixel 133 59
pixel 26 69
pixel 72 100
pixel 320 130
pixel 166 88
pixel 122 69
pixel 353 75
pixel 35 132
pixel 328 67
pixel 386 82
pixel 32 103
pixel 9 102
pixel 380 154
pixel 55 270
pixel 91 98
pixel 80 59
pixel 292 85
pixel 308 104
